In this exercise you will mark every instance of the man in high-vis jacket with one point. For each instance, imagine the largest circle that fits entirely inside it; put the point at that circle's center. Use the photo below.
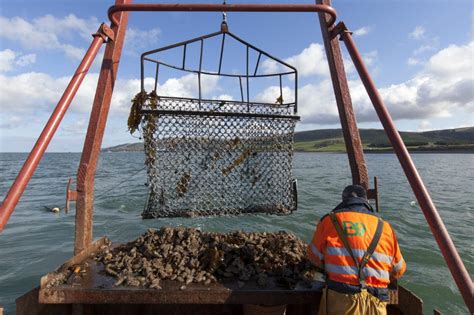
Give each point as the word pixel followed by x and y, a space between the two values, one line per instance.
pixel 359 253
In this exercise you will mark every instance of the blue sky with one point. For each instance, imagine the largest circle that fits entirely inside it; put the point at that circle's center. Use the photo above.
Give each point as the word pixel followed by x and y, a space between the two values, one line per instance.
pixel 419 52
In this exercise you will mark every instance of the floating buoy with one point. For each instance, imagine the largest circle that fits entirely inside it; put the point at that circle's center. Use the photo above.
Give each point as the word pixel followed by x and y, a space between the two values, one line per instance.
pixel 55 210
pixel 413 203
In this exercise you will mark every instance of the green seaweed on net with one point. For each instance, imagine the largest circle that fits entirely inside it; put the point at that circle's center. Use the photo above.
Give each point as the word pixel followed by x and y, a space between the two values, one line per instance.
pixel 150 120
pixel 151 124
pixel 135 116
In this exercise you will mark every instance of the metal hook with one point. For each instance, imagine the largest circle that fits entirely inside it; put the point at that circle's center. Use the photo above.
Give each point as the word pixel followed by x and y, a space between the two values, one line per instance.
pixel 224 26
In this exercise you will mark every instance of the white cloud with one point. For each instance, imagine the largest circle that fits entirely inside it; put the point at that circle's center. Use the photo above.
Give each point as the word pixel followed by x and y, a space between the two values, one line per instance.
pixel 423 48
pixel 271 66
pixel 9 60
pixel 79 127
pixel 370 58
pixel 223 97
pixel 317 103
pixel 427 44
pixel 62 33
pixel 424 125
pixel 418 33
pixel 362 31
pixel 26 91
pixel 187 86
pixel 30 94
pixel 270 95
pixel 10 122
pixel 25 60
pixel 311 61
pixel 138 40
pixel 442 88
pixel 73 52
pixel 412 61
pixel 67 27
pixel 454 61
pixel 49 32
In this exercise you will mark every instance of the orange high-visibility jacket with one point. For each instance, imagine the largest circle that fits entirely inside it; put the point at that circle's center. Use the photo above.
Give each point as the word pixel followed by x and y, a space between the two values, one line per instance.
pixel 328 252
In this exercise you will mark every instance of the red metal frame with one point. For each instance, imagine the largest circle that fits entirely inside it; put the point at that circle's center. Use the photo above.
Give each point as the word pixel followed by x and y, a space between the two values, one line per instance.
pixel 450 254
pixel 87 167
pixel 95 133
pixel 71 195
pixel 200 7
pixel 34 158
pixel 355 151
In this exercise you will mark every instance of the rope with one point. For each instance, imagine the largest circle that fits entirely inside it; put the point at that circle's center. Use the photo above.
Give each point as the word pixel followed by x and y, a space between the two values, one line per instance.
pixel 115 186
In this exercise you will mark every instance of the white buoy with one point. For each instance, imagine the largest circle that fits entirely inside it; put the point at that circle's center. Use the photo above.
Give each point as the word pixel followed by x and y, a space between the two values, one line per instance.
pixel 413 203
pixel 55 210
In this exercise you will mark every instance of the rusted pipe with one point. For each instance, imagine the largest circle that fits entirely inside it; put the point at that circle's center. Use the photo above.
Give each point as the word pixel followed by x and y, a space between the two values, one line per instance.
pixel 34 158
pixel 95 133
pixel 200 7
pixel 451 255
pixel 350 131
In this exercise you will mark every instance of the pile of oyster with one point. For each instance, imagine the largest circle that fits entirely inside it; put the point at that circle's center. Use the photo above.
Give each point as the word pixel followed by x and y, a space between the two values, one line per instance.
pixel 189 255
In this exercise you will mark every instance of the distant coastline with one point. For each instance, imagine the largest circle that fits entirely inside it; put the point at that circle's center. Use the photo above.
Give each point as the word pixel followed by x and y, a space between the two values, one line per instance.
pixel 459 140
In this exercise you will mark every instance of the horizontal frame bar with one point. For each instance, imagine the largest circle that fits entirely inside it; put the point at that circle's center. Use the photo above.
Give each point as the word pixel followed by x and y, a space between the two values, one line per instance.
pixel 219 74
pixel 201 7
pixel 212 101
pixel 209 113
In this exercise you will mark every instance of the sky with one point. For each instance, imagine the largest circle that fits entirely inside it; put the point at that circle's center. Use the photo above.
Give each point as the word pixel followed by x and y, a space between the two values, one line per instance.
pixel 420 54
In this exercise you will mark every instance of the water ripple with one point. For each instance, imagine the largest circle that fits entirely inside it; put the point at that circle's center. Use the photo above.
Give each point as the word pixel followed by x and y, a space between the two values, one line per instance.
pixel 36 242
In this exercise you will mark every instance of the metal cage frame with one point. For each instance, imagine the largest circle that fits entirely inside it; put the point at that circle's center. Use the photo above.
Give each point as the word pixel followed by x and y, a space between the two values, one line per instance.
pixel 247 76
pixel 223 129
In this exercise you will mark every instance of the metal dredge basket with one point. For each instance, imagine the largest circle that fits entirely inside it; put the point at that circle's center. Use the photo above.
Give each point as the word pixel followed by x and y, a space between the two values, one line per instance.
pixel 215 156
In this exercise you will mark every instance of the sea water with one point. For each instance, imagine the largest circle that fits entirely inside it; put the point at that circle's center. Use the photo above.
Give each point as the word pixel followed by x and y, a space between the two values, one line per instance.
pixel 36 241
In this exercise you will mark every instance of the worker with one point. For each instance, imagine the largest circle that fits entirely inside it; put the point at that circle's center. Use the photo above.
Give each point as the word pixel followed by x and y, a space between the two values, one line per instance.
pixel 359 254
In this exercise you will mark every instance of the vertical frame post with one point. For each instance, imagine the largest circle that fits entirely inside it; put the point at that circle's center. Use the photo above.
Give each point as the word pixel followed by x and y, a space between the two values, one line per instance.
pixel 350 131
pixel 95 133
pixel 451 256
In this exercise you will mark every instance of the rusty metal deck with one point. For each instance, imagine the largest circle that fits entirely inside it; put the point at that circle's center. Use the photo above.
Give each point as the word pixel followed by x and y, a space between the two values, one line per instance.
pixel 95 293
pixel 96 287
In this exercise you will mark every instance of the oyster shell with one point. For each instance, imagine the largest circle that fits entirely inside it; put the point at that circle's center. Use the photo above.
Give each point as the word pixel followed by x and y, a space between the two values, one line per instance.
pixel 187 255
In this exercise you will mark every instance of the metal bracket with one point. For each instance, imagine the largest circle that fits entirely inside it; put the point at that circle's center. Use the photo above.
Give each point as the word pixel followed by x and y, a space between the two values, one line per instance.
pixel 338 29
pixel 71 195
pixel 105 32
pixel 224 27
pixel 374 194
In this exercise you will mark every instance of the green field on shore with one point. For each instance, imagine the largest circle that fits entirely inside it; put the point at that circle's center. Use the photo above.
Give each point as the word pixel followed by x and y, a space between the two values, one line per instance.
pixel 338 145
pixel 374 140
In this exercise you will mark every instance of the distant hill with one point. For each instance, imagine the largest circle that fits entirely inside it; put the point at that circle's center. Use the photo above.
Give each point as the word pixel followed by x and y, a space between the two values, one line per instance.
pixel 374 140
pixel 331 140
pixel 125 147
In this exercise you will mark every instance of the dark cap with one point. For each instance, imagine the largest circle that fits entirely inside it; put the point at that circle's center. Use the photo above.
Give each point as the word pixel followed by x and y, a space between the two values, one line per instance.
pixel 354 191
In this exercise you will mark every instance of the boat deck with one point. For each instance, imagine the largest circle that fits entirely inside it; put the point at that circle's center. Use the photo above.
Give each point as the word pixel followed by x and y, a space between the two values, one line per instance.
pixel 93 285
pixel 94 290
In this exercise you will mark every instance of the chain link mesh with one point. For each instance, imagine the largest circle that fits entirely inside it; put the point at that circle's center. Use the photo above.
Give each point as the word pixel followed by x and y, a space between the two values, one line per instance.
pixel 215 158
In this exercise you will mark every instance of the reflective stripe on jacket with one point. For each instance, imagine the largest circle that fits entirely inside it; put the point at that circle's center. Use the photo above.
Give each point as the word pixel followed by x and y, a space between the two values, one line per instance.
pixel 328 252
